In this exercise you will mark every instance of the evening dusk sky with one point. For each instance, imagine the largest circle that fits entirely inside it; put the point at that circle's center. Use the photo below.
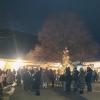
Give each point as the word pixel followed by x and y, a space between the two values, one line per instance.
pixel 29 15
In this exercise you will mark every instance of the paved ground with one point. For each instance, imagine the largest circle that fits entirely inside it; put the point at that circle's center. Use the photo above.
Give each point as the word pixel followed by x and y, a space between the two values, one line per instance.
pixel 46 94
pixel 56 94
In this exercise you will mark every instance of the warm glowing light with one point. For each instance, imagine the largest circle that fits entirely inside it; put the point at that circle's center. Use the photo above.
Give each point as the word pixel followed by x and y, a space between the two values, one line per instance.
pixel 57 65
pixel 93 65
pixel 2 64
pixel 17 64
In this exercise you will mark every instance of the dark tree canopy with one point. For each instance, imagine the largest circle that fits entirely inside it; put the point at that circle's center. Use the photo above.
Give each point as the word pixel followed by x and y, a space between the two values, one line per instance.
pixel 66 30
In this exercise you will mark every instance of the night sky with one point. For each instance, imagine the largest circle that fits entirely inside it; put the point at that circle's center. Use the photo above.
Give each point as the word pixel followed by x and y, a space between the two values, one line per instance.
pixel 29 15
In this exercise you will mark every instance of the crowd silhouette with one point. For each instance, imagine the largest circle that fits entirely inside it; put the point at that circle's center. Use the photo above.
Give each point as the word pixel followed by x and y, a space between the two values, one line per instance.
pixel 34 79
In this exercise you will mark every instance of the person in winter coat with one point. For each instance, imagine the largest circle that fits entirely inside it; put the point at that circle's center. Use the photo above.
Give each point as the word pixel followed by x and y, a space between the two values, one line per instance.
pixel 18 77
pixel 44 78
pixel 10 77
pixel 81 81
pixel 52 77
pixel 4 78
pixel 89 79
pixel 75 79
pixel 32 80
pixel 68 79
pixel 95 76
pixel 27 80
pixel 37 81
pixel 1 85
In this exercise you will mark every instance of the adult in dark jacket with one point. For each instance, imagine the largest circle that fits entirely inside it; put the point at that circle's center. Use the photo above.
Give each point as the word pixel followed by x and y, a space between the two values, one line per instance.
pixel 18 77
pixel 52 77
pixel 1 85
pixel 32 79
pixel 95 76
pixel 37 82
pixel 75 79
pixel 89 79
pixel 81 80
pixel 68 79
pixel 27 80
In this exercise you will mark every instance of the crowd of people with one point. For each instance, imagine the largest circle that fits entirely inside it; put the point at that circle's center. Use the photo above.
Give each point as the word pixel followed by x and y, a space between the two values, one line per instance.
pixel 78 80
pixel 75 80
pixel 35 79
pixel 6 78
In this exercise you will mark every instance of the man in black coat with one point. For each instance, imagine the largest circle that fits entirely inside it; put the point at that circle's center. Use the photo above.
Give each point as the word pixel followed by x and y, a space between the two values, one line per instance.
pixel 27 80
pixel 89 79
pixel 68 79
pixel 37 81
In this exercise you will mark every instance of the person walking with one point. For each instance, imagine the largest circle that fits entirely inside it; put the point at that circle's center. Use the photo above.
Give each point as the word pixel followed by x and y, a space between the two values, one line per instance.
pixel 68 80
pixel 1 85
pixel 75 79
pixel 18 78
pixel 52 77
pixel 26 80
pixel 33 80
pixel 37 81
pixel 89 79
pixel 44 78
pixel 81 80
pixel 95 76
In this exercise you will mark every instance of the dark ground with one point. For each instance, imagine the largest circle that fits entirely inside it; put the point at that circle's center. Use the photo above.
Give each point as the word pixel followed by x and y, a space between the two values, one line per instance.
pixel 54 94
